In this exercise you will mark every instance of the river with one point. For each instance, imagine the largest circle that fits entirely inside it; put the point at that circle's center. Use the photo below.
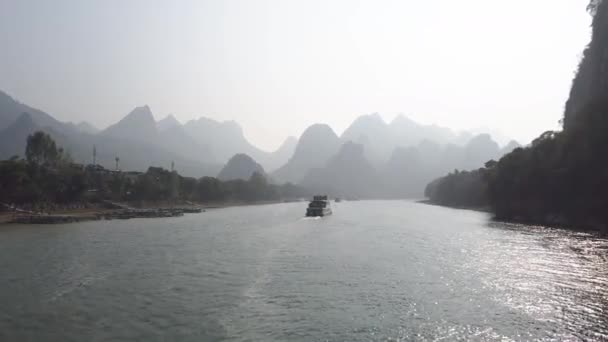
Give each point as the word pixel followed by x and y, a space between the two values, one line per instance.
pixel 373 271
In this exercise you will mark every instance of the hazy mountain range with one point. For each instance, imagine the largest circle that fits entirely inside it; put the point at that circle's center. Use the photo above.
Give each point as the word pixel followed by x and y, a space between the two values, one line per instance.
pixel 199 147
pixel 240 166
pixel 372 158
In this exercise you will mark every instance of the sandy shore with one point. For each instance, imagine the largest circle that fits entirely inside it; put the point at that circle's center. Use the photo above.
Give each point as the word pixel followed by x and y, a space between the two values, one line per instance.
pixel 78 214
pixel 94 213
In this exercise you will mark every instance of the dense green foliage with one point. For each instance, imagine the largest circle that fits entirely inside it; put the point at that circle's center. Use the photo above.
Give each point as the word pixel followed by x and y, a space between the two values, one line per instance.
pixel 562 177
pixel 26 182
pixel 47 176
pixel 466 189
pixel 41 149
pixel 158 184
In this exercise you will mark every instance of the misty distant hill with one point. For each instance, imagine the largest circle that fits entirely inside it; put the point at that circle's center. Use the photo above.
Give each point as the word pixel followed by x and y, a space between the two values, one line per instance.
pixel 138 125
pixel 283 153
pixel 11 109
pixel 347 174
pixel 240 166
pixel 374 134
pixel 13 137
pixel 407 132
pixel 510 147
pixel 168 122
pixel 479 150
pixel 380 138
pixel 406 171
pixel 410 169
pixel 175 139
pixel 225 139
pixel 324 163
pixel 316 146
pixel 140 141
pixel 134 140
pixel 403 154
pixel 198 148
pixel 376 159
pixel 85 127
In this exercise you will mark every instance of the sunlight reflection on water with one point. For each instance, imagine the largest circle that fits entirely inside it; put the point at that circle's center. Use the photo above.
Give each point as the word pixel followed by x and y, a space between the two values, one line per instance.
pixel 374 270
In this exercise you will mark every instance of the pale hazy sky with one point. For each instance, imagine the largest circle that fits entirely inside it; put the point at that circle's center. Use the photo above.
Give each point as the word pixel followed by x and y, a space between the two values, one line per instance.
pixel 277 66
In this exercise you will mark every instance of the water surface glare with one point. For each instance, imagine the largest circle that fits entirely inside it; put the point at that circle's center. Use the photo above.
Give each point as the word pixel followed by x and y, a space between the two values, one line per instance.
pixel 374 271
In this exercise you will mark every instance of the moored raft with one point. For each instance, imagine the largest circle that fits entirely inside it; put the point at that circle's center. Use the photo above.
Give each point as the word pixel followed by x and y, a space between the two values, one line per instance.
pixel 44 219
pixel 143 213
pixel 121 214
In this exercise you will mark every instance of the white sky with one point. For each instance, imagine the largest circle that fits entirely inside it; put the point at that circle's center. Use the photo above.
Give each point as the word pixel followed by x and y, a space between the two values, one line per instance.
pixel 278 66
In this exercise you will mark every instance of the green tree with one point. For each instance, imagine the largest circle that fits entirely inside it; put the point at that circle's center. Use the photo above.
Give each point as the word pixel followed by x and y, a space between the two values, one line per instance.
pixel 42 150
pixel 16 183
pixel 211 189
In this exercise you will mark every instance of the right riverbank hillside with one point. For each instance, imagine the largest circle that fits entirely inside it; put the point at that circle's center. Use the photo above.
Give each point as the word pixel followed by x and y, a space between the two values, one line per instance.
pixel 561 178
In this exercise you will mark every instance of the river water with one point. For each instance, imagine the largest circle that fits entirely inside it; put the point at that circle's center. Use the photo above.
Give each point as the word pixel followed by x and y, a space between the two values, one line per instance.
pixel 373 271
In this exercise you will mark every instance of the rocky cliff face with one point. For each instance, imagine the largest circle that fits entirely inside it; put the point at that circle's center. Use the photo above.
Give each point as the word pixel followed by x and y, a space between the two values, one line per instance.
pixel 591 80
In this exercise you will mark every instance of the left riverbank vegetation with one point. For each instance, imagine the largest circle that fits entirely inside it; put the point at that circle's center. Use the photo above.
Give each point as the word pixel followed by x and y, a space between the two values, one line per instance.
pixel 47 179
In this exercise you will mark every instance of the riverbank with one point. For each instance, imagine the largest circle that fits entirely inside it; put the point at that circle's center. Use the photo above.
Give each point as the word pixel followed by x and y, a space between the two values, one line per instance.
pixel 104 210
pixel 108 214
pixel 75 215
pixel 554 221
pixel 482 209
pixel 557 221
pixel 120 210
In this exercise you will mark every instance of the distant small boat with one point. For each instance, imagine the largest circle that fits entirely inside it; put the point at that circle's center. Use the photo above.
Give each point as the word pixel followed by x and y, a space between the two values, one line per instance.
pixel 318 207
pixel 338 200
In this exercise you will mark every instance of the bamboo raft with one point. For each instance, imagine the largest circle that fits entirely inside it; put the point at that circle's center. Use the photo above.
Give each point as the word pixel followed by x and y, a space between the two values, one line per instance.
pixel 46 219
pixel 125 214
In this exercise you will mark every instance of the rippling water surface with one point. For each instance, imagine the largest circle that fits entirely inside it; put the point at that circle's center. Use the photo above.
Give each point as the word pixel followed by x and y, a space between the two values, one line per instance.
pixel 374 271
